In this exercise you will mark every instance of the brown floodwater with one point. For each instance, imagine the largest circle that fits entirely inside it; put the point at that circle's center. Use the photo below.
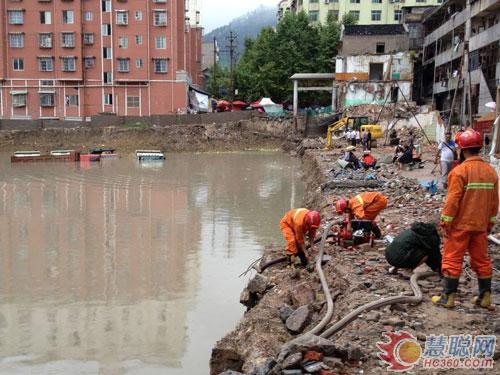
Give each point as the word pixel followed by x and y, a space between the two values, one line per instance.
pixel 126 268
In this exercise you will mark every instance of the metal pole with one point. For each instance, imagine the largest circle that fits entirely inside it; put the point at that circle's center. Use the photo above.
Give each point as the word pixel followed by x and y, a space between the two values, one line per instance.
pixel 295 97
pixel 214 76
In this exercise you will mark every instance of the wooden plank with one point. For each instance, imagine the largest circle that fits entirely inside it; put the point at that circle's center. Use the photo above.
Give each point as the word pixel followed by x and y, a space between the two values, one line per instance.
pixel 358 76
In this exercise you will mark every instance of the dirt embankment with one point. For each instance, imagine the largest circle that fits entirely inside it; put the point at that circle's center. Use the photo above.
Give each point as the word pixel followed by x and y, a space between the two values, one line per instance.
pixel 355 277
pixel 232 136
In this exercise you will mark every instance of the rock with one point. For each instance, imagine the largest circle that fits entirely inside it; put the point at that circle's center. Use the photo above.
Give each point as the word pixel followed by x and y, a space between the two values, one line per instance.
pixel 311 355
pixel 311 342
pixel 333 362
pixel 292 372
pixel 299 319
pixel 225 360
pixel 373 316
pixel 398 307
pixel 302 294
pixel 245 297
pixel 285 312
pixel 258 284
pixel 354 353
pixel 264 368
pixel 292 361
pixel 418 326
pixel 421 336
pixel 231 372
pixel 312 367
pixel 396 322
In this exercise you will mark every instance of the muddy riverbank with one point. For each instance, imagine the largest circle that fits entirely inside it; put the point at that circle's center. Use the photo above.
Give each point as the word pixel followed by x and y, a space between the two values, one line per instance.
pixel 255 133
pixel 355 277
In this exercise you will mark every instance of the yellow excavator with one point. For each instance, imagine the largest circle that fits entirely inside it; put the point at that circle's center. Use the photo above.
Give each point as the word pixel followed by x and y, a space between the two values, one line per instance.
pixel 337 129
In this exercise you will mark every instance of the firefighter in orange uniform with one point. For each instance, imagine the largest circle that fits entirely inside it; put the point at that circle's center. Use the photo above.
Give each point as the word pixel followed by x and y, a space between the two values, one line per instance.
pixel 468 216
pixel 295 225
pixel 364 206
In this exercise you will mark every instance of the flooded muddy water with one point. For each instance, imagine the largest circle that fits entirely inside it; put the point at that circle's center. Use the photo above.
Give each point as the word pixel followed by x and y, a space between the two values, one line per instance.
pixel 126 268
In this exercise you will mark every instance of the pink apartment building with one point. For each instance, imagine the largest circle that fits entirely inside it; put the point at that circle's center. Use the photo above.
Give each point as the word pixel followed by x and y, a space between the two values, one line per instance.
pixel 70 59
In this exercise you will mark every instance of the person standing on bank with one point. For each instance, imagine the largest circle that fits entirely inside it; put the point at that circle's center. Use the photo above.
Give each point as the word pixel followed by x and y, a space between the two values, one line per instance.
pixel 369 142
pixel 469 214
pixel 447 154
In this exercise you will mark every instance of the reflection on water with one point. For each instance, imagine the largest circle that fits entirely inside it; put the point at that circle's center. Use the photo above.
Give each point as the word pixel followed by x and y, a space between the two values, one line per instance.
pixel 128 268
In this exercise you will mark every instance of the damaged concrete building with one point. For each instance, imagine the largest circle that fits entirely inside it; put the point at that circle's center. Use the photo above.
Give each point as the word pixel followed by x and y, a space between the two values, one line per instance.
pixel 461 55
pixel 374 64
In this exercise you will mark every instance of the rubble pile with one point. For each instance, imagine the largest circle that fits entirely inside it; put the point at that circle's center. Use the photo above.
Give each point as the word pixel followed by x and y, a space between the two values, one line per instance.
pixel 273 336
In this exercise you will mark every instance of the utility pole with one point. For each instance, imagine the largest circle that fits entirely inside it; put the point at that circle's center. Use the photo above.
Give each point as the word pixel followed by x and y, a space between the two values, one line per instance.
pixel 232 59
pixel 214 74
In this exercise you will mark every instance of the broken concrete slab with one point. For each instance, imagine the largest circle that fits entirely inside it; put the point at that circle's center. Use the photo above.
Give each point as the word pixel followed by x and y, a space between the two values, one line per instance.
pixel 299 319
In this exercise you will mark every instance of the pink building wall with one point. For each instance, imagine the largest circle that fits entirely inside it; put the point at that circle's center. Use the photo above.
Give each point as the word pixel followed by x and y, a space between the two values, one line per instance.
pixel 140 90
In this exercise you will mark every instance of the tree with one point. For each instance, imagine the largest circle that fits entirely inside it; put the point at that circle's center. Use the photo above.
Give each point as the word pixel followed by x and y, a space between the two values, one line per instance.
pixel 349 19
pixel 328 45
pixel 221 83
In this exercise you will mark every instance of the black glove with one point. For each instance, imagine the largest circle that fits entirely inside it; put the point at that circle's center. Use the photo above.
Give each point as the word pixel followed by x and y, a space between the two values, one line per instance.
pixel 303 258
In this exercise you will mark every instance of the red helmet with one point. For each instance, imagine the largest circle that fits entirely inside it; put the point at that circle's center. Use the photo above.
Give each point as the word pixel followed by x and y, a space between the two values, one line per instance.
pixel 313 219
pixel 341 205
pixel 469 139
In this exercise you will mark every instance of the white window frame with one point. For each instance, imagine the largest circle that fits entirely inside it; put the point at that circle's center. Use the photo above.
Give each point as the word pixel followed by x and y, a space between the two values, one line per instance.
pixel 88 38
pixel 138 15
pixel 89 16
pixel 68 64
pixel 123 64
pixel 16 17
pixel 16 40
pixel 71 100
pixel 160 42
pixel 45 64
pixel 44 96
pixel 138 40
pixel 68 17
pixel 162 64
pixel 122 17
pixel 19 100
pixel 159 17
pixel 123 42
pixel 47 17
pixel 375 14
pixel 107 53
pixel 17 61
pixel 108 99
pixel 138 63
pixel 68 40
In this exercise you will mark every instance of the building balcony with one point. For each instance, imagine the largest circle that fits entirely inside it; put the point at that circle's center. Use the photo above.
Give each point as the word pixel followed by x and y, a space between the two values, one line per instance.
pixel 448 26
pixel 449 55
pixel 491 35
pixel 446 85
pixel 481 5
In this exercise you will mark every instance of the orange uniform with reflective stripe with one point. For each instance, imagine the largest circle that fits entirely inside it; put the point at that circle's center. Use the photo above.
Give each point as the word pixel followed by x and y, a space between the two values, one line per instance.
pixel 293 226
pixel 472 201
pixel 367 206
pixel 470 208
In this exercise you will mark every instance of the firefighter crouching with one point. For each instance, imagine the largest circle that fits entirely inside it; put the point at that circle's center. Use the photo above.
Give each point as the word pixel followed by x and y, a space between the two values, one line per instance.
pixel 295 225
pixel 468 216
pixel 364 206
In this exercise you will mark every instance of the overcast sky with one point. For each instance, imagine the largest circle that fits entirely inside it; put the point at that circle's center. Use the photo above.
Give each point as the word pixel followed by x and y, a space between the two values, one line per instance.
pixel 217 13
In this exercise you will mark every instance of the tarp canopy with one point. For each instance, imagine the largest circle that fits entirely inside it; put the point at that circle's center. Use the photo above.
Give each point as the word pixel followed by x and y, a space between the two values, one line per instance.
pixel 239 103
pixel 266 102
pixel 198 99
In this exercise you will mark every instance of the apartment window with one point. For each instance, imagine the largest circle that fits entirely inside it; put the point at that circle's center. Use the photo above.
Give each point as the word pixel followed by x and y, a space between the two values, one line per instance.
pixel 160 65
pixel 160 1
pixel 123 42
pixel 45 18
pixel 354 14
pixel 68 17
pixel 68 64
pixel 377 1
pixel 138 39
pixel 355 1
pixel 159 17
pixel 46 99
pixel 380 47
pixel 122 18
pixel 133 101
pixel 68 40
pixel 313 1
pixel 89 16
pixel 106 5
pixel 16 40
pixel 421 1
pixel 45 64
pixel 123 65
pixel 18 64
pixel 313 15
pixel 19 100
pixel 89 62
pixel 88 38
pixel 138 63
pixel 46 83
pixel 16 17
pixel 398 14
pixel 333 15
pixel 376 15
pixel 138 15
pixel 108 99
pixel 106 53
pixel 45 40
pixel 160 42
pixel 107 77
pixel 71 100
pixel 106 29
